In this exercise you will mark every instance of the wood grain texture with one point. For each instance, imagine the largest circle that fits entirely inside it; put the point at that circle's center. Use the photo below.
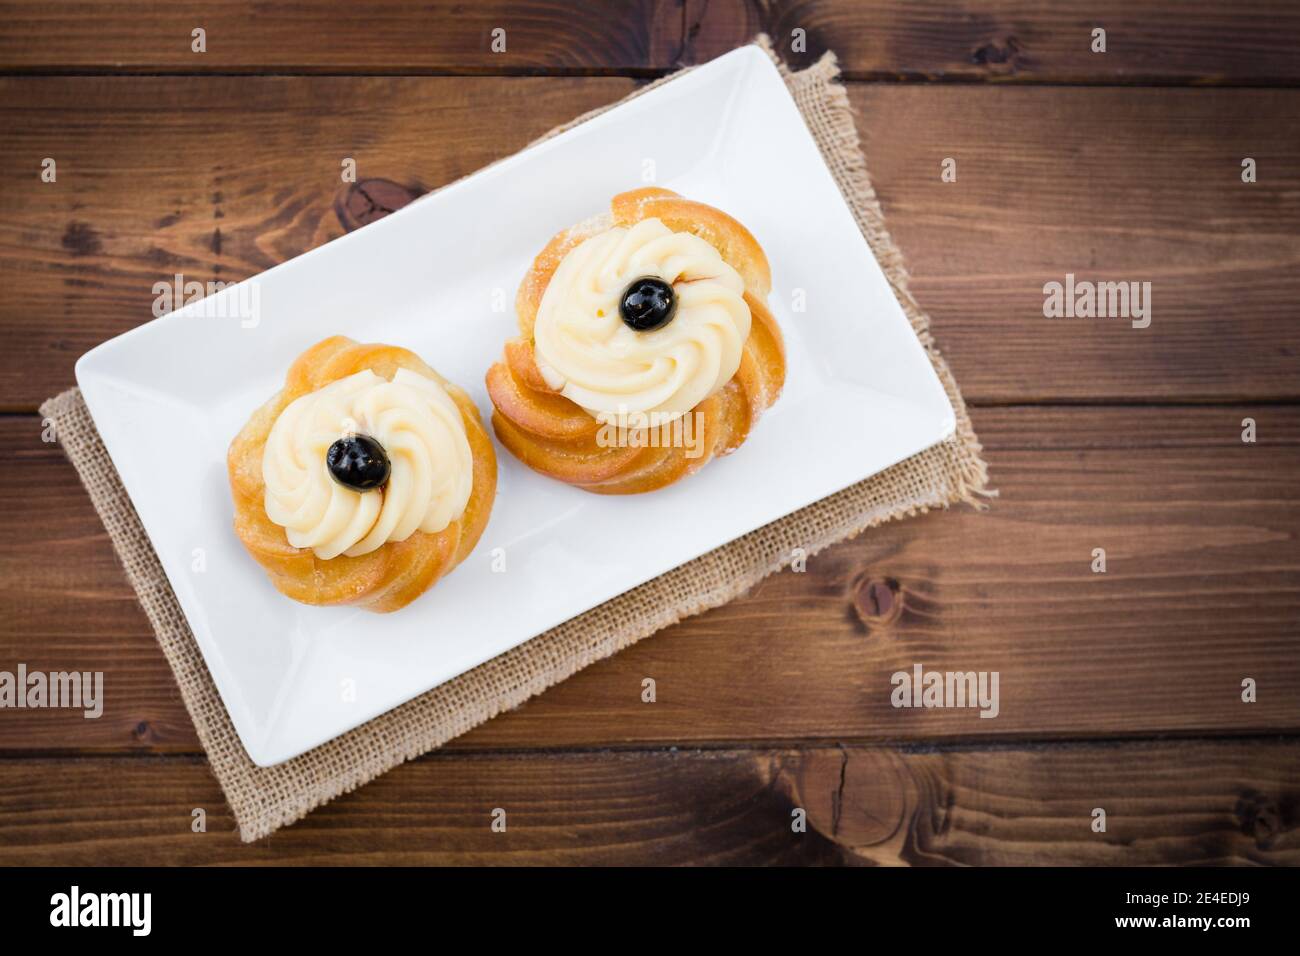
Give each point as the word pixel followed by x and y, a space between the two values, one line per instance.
pixel 1229 802
pixel 1157 41
pixel 223 177
pixel 218 179
pixel 1202 589
pixel 327 36
pixel 1168 41
pixel 1108 185
pixel 779 700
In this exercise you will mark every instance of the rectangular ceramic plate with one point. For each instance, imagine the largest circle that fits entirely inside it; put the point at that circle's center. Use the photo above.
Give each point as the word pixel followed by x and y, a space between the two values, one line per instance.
pixel 168 397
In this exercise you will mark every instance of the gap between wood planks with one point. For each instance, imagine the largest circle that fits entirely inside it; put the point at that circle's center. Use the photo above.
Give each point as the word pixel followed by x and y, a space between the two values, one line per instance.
pixel 849 76
pixel 940 745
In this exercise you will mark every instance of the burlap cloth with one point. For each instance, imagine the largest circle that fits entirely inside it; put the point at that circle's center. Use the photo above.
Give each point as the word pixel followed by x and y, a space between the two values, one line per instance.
pixel 264 799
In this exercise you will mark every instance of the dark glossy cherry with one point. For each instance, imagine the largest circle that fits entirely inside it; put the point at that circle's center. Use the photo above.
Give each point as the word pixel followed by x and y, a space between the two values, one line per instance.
pixel 358 462
pixel 648 304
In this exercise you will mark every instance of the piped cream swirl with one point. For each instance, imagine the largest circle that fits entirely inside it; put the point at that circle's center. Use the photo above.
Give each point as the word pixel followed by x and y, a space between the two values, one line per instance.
pixel 586 353
pixel 421 429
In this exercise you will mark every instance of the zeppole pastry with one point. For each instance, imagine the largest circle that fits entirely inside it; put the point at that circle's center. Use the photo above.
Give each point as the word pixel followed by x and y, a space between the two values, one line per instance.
pixel 645 349
pixel 365 480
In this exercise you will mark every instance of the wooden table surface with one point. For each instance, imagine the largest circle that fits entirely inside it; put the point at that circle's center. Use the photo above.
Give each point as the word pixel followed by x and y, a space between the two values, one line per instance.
pixel 1120 690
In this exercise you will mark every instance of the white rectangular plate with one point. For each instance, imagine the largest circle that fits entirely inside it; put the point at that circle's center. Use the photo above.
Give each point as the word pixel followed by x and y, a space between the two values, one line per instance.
pixel 168 397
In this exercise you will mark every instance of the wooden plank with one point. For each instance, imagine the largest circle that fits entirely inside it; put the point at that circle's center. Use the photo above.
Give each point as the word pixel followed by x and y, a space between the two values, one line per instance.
pixel 325 36
pixel 1157 41
pixel 1107 185
pixel 223 177
pixel 1219 803
pixel 1202 589
pixel 1162 42
pixel 217 179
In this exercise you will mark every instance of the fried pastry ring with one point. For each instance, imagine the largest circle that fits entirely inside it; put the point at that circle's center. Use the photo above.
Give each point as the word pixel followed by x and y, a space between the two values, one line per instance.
pixel 396 572
pixel 558 437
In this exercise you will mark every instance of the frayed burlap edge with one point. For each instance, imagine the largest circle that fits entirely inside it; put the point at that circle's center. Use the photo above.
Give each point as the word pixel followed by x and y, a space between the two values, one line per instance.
pixel 264 799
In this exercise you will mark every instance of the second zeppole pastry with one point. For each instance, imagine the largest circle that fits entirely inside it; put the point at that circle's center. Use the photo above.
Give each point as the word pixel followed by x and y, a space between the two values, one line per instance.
pixel 364 480
pixel 645 347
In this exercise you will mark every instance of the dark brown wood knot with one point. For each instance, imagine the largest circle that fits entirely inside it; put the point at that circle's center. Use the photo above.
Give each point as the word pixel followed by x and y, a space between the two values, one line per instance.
pixel 877 601
pixel 361 203
pixel 1259 818
pixel 80 239
pixel 1004 57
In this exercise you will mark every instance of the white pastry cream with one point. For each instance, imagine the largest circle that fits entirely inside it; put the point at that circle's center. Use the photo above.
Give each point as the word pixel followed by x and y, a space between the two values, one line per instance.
pixel 586 352
pixel 422 431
